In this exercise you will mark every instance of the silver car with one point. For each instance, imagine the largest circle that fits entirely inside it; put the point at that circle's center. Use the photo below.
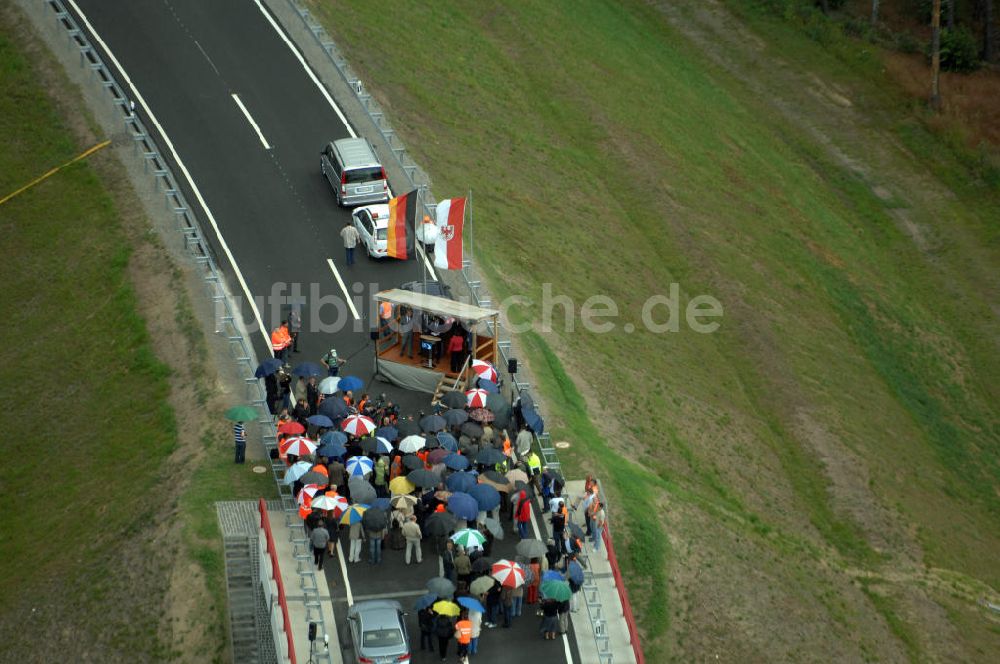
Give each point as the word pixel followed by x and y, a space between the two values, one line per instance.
pixel 354 172
pixel 378 632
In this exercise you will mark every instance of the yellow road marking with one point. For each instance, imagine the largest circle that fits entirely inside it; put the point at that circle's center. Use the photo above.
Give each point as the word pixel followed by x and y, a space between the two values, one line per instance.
pixel 55 170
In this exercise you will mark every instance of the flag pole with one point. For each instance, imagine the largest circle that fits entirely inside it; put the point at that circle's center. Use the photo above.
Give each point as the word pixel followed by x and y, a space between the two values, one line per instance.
pixel 416 251
pixel 468 212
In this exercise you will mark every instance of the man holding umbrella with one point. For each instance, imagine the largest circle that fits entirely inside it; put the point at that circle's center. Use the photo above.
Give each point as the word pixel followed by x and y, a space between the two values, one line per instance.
pixel 240 440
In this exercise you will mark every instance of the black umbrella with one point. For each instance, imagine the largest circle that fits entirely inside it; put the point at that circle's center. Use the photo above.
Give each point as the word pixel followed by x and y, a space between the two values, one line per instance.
pixel 501 410
pixel 433 423
pixel 495 476
pixel 576 530
pixel 407 428
pixel 313 477
pixel 334 408
pixel 455 416
pixel 532 548
pixel 423 478
pixel 374 519
pixel 412 462
pixel 441 587
pixel 481 565
pixel 440 524
pixel 362 490
pixel 472 430
pixel 489 456
pixel 453 399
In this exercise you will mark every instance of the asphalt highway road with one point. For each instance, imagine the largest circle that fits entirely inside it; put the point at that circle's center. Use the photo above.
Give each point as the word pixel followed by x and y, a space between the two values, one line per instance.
pixel 276 212
pixel 187 58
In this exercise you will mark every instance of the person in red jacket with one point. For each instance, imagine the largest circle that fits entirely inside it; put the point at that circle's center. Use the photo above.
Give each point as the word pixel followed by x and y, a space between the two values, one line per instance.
pixel 523 514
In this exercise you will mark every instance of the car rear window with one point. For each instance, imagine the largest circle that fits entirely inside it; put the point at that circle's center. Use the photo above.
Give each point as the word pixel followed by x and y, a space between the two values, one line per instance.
pixel 363 174
pixel 382 234
pixel 383 638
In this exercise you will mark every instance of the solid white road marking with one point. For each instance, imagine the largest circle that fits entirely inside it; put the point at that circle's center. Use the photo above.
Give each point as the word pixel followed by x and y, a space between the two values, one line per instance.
pixel 260 134
pixel 343 571
pixel 347 296
pixel 565 637
pixel 184 171
pixel 298 56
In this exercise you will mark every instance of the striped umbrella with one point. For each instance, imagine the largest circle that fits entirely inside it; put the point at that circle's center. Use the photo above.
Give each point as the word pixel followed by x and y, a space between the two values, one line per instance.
pixel 469 537
pixel 358 425
pixel 484 369
pixel 299 446
pixel 353 514
pixel 359 466
pixel 506 572
pixel 476 398
pixel 336 504
pixel 307 493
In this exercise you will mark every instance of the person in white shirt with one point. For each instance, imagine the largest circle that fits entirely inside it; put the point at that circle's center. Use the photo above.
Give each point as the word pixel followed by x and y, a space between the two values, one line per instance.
pixel 351 238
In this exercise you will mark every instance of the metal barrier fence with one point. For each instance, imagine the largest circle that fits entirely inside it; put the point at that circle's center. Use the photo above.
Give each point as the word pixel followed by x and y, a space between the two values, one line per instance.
pixel 275 576
pixel 194 243
pixel 411 171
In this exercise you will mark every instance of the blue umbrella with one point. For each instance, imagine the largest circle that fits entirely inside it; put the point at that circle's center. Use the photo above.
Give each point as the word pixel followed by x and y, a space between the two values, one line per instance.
pixel 463 506
pixel 384 504
pixel 471 603
pixel 455 417
pixel 359 466
pixel 321 421
pixel 575 572
pixel 456 462
pixel 307 369
pixel 488 385
pixel 552 575
pixel 331 450
pixel 486 496
pixel 489 456
pixel 350 383
pixel 424 601
pixel 389 433
pixel 333 438
pixel 268 367
pixel 533 420
pixel 447 441
pixel 460 481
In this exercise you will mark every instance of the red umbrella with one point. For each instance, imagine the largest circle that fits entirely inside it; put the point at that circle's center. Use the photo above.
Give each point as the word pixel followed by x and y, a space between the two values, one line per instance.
pixel 508 573
pixel 291 427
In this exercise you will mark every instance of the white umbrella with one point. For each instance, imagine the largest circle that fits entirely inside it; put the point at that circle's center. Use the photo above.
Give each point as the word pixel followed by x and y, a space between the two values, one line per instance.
pixel 328 385
pixel 411 444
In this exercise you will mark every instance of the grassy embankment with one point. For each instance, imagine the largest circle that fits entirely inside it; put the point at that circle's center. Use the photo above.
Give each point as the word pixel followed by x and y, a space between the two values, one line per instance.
pixel 100 503
pixel 818 476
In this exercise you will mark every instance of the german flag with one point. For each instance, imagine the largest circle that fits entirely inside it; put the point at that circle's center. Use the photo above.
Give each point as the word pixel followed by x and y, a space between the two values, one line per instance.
pixel 402 216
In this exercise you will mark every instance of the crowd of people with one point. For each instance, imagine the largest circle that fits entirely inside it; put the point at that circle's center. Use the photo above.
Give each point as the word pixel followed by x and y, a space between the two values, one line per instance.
pixel 394 484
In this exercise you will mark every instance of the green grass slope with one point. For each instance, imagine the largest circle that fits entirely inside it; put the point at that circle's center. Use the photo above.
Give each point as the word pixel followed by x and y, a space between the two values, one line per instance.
pixel 821 474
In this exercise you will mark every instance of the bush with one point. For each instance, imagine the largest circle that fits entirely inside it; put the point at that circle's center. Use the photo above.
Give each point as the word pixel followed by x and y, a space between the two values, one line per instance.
pixel 959 51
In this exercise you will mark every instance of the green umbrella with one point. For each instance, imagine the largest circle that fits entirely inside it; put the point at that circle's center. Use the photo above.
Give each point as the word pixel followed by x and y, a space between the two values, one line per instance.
pixel 557 590
pixel 241 413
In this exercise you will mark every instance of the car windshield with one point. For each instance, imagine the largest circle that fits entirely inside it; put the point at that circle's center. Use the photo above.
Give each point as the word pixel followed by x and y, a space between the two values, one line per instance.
pixel 363 175
pixel 381 233
pixel 382 638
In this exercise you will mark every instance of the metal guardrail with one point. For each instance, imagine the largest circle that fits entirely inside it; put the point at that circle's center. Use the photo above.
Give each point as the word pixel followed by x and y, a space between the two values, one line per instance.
pixel 189 229
pixel 410 169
